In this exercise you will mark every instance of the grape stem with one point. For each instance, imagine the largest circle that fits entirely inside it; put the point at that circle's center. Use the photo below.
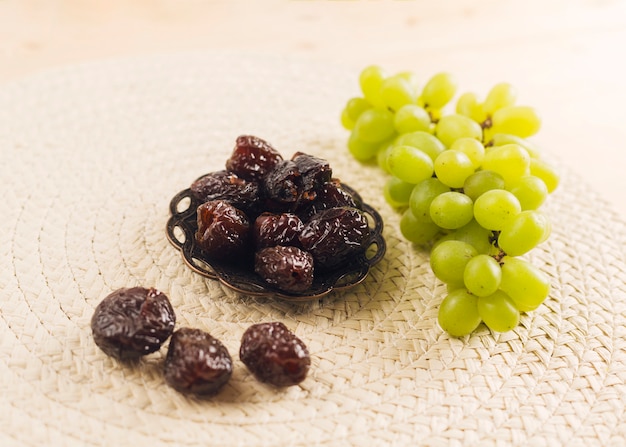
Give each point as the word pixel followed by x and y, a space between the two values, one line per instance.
pixel 499 256
pixel 493 240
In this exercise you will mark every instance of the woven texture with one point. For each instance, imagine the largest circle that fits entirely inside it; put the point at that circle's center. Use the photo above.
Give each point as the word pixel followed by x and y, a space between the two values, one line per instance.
pixel 91 156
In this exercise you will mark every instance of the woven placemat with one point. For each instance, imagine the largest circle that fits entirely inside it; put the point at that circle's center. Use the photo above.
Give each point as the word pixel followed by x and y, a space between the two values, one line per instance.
pixel 92 155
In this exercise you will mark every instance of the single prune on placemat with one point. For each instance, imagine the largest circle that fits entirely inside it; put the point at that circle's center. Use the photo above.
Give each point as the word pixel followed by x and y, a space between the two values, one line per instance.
pixel 223 185
pixel 274 354
pixel 272 229
pixel 223 230
pixel 333 236
pixel 132 322
pixel 288 268
pixel 252 158
pixel 197 362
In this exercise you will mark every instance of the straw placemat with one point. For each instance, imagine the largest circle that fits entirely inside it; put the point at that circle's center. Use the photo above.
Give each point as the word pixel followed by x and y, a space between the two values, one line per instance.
pixel 92 155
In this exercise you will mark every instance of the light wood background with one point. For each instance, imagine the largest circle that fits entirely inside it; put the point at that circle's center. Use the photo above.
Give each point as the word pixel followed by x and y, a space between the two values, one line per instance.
pixel 566 57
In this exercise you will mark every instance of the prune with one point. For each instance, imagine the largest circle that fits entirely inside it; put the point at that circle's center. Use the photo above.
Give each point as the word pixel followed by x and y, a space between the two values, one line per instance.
pixel 252 158
pixel 223 230
pixel 288 268
pixel 223 185
pixel 132 322
pixel 276 229
pixel 329 195
pixel 283 186
pixel 333 236
pixel 315 172
pixel 274 354
pixel 197 362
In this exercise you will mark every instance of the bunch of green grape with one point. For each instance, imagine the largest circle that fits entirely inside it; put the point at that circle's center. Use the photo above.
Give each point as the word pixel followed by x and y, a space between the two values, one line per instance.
pixel 469 185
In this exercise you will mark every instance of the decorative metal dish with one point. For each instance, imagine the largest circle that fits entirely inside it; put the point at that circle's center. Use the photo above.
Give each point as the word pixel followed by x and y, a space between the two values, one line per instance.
pixel 182 226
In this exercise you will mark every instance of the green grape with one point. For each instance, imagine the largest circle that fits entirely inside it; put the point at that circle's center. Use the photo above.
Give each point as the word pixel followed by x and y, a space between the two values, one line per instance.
pixel 545 172
pixel 361 150
pixel 475 235
pixel 416 231
pixel 527 286
pixel 422 196
pixel 523 233
pixel 454 286
pixel 498 312
pixel 449 258
pixel 409 164
pixel 474 149
pixel 375 125
pixel 500 139
pixel 439 90
pixel 397 92
pixel 410 77
pixel 355 106
pixel 451 210
pixel 397 192
pixel 458 313
pixel 453 167
pixel 423 141
pixel 522 121
pixel 371 80
pixel 511 161
pixel 494 208
pixel 480 182
pixel 454 126
pixel 531 192
pixel 411 118
pixel 346 122
pixel 501 95
pixel 382 154
pixel 482 275
pixel 468 105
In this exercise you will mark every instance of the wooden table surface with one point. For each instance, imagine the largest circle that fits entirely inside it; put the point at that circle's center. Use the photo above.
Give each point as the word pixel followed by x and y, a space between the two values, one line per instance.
pixel 566 57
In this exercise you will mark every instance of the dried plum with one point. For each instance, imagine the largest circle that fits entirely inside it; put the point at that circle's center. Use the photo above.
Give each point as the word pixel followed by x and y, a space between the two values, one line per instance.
pixel 197 362
pixel 288 268
pixel 252 158
pixel 223 230
pixel 132 322
pixel 329 195
pixel 274 354
pixel 315 172
pixel 276 229
pixel 283 185
pixel 223 185
pixel 334 235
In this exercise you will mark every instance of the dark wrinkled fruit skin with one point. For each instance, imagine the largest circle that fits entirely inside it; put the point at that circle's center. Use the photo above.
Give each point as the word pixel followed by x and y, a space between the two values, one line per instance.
pixel 274 354
pixel 276 229
pixel 132 322
pixel 333 236
pixel 329 195
pixel 252 158
pixel 283 185
pixel 315 172
pixel 223 230
pixel 287 268
pixel 222 185
pixel 197 363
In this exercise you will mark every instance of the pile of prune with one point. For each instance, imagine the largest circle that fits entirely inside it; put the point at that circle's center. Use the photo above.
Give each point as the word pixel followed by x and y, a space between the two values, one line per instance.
pixel 287 218
pixel 132 322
